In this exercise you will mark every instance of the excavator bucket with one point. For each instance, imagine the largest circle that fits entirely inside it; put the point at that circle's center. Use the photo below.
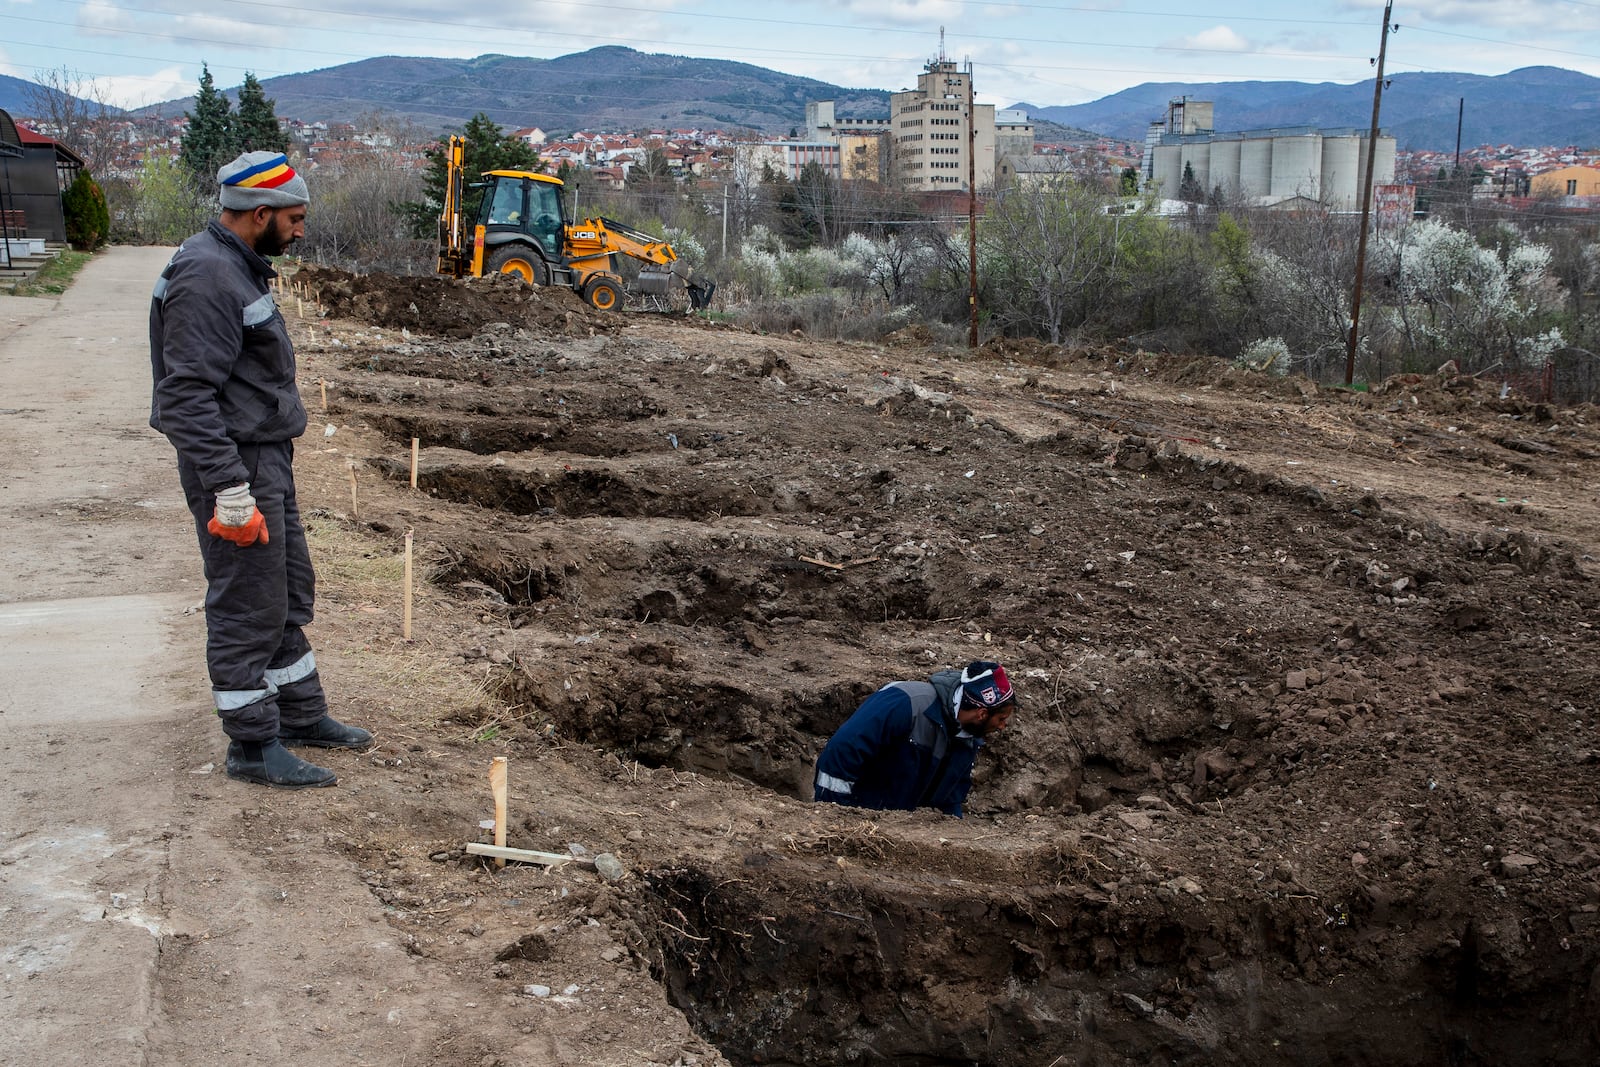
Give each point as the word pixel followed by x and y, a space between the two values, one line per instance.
pixel 700 294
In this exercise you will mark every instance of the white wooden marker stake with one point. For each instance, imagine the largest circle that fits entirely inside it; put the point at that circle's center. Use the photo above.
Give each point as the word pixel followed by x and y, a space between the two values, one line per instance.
pixel 405 624
pixel 497 785
pixel 414 445
pixel 324 383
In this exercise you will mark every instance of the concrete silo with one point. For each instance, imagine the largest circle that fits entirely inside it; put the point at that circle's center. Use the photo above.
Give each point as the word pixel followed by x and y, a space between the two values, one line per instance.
pixel 1225 163
pixel 1197 157
pixel 1169 168
pixel 1341 169
pixel 1297 165
pixel 1255 166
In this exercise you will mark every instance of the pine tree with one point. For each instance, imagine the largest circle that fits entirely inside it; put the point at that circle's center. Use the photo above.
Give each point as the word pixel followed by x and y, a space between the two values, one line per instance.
pixel 256 126
pixel 487 149
pixel 208 142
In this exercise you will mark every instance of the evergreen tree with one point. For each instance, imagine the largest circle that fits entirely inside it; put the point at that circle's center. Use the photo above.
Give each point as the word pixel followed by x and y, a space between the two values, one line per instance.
pixel 256 125
pixel 487 149
pixel 88 221
pixel 1190 190
pixel 208 142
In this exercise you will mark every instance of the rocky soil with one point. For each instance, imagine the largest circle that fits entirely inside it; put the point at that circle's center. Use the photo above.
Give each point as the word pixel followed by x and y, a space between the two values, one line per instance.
pixel 1306 765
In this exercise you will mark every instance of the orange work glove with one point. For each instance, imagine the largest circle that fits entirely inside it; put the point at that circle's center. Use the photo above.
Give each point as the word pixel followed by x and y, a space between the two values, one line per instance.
pixel 237 518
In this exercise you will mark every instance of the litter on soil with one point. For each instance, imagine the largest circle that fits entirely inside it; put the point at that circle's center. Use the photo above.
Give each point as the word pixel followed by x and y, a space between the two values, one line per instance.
pixel 1305 766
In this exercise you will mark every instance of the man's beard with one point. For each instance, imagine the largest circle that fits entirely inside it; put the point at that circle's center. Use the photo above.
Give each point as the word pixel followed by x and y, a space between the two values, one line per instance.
pixel 272 242
pixel 269 244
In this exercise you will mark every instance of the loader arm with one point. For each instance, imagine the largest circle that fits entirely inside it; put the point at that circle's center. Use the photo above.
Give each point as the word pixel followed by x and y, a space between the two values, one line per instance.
pixel 454 259
pixel 605 237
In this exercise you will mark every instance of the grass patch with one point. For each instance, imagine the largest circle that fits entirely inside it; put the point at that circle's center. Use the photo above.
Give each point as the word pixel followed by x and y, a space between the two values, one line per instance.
pixel 55 277
pixel 420 688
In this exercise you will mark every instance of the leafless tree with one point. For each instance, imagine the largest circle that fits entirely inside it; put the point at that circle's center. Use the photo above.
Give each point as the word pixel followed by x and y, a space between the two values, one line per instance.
pixel 69 107
pixel 354 222
pixel 1047 250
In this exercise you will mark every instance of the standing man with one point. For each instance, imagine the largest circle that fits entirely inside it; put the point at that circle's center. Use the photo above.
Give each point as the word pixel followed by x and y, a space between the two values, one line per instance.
pixel 225 397
pixel 912 744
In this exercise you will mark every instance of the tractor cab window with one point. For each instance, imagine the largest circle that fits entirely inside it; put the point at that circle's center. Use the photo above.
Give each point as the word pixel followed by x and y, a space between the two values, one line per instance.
pixel 506 208
pixel 545 208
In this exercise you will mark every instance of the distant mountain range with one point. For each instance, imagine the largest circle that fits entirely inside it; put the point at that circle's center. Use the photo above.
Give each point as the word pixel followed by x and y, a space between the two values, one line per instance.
pixel 1531 106
pixel 610 88
pixel 17 96
pixel 615 88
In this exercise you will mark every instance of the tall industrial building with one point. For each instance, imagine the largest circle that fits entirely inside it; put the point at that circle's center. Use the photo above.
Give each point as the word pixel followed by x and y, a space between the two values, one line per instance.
pixel 930 135
pixel 1267 166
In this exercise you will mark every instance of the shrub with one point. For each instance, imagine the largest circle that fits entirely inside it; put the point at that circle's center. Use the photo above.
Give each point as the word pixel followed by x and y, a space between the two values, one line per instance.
pixel 87 217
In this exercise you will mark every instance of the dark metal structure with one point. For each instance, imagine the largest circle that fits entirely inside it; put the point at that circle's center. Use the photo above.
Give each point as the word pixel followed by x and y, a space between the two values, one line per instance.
pixel 10 148
pixel 34 171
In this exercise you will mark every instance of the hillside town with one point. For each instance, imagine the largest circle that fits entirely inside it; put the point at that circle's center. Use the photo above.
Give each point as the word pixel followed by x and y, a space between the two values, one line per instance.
pixel 936 141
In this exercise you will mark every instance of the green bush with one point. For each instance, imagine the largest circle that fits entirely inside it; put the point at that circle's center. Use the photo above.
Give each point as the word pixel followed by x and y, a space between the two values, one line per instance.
pixel 87 217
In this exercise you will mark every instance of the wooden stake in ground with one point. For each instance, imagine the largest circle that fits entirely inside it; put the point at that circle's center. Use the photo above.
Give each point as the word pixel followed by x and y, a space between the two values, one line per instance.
pixel 497 785
pixel 414 445
pixel 405 624
pixel 355 509
pixel 324 383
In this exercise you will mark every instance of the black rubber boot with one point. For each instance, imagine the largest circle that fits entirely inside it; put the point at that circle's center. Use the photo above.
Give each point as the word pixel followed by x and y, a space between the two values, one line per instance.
pixel 326 732
pixel 269 763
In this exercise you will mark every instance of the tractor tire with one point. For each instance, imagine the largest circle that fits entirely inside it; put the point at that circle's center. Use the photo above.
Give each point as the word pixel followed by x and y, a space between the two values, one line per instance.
pixel 603 294
pixel 518 261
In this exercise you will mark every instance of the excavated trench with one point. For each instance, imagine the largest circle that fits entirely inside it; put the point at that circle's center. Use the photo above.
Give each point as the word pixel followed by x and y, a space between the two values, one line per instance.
pixel 1085 943
pixel 796 965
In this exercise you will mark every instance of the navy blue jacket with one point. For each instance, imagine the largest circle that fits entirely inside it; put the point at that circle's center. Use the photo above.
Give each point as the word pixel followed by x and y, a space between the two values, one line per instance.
pixel 220 357
pixel 902 749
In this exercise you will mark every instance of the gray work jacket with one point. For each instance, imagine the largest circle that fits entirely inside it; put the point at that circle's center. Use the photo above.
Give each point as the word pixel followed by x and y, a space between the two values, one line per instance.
pixel 220 357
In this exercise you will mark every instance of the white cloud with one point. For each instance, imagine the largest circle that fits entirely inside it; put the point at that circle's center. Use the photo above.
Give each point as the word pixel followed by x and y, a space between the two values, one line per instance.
pixel 138 90
pixel 1216 39
pixel 1515 17
pixel 928 13
pixel 101 18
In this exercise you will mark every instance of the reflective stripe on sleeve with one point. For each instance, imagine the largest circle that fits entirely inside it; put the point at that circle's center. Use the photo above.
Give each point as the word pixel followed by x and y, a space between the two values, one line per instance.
pixel 300 669
pixel 832 784
pixel 234 699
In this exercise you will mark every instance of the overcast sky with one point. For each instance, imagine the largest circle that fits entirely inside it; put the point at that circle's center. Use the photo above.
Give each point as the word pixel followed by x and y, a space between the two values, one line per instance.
pixel 144 51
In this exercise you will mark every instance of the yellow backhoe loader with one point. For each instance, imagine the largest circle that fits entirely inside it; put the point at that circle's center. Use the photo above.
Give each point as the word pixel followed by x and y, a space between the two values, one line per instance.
pixel 522 229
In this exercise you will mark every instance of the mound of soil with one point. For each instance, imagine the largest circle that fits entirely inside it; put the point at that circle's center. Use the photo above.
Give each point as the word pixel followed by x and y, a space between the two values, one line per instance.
pixel 1306 764
pixel 448 307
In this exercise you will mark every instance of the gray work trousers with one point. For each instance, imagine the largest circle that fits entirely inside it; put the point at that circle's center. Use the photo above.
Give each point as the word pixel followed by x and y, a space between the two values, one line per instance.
pixel 263 672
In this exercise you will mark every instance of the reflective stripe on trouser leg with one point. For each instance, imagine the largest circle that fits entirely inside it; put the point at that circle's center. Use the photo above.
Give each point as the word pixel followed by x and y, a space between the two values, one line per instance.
pixel 247 600
pixel 834 785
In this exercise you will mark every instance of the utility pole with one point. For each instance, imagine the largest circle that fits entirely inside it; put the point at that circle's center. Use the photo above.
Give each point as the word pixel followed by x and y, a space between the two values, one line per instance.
pixel 972 212
pixel 1366 205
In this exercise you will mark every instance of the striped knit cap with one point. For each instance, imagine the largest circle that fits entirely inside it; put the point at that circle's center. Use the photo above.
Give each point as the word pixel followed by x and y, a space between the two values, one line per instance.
pixel 261 179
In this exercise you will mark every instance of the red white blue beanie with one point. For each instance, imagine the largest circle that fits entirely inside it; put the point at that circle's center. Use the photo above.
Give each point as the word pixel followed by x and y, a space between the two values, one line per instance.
pixel 261 179
pixel 985 685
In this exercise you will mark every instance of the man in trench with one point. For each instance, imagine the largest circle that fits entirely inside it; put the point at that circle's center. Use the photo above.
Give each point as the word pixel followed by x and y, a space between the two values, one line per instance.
pixel 913 744
pixel 224 394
